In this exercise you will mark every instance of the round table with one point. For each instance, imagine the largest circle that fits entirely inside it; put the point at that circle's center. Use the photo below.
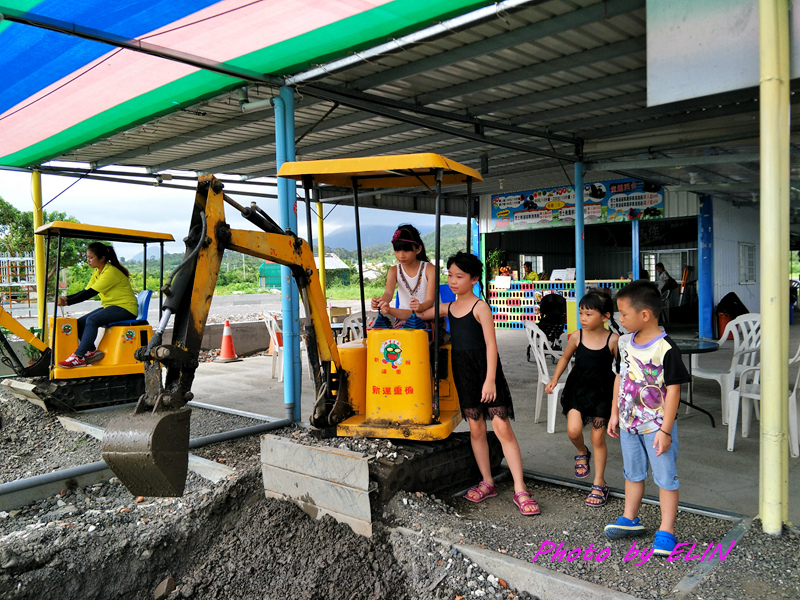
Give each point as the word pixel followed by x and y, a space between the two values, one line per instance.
pixel 689 347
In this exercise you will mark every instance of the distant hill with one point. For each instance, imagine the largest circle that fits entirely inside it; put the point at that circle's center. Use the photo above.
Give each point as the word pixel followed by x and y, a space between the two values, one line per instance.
pixel 370 236
pixel 151 253
pixel 452 237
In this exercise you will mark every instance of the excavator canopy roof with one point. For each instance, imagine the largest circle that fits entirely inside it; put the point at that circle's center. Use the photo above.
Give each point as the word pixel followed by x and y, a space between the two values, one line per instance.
pixel 403 170
pixel 68 229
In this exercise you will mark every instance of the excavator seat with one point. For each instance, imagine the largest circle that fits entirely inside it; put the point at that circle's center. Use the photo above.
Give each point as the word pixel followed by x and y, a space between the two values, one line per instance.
pixel 143 300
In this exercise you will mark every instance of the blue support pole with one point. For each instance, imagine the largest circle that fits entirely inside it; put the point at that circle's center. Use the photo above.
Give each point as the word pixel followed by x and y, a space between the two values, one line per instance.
pixel 287 283
pixel 705 268
pixel 635 254
pixel 580 262
pixel 287 95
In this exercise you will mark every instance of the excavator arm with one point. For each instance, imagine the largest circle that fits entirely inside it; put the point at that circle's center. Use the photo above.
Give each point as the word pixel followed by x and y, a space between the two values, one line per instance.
pixel 148 450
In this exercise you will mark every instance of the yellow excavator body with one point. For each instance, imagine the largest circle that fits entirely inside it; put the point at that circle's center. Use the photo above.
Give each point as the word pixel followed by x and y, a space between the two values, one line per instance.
pixel 118 345
pixel 391 389
pixel 114 379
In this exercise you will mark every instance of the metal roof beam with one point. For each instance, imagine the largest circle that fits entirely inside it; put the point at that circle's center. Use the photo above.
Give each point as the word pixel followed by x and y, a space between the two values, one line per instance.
pixel 221 127
pixel 259 142
pixel 329 145
pixel 681 161
pixel 428 124
pixel 362 98
pixel 557 93
pixel 533 32
pixel 527 73
pixel 593 105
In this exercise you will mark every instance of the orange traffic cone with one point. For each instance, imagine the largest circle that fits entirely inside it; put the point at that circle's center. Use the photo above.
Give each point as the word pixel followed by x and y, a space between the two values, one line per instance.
pixel 227 352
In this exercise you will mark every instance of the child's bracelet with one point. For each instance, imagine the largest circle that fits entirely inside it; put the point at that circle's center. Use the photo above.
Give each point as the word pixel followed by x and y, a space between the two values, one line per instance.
pixel 662 431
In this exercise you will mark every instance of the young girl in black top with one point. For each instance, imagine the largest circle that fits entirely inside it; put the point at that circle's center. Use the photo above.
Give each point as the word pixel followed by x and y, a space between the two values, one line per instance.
pixel 482 388
pixel 589 391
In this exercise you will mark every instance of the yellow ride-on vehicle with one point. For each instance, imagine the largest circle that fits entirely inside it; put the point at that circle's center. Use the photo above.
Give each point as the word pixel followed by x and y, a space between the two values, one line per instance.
pixel 388 385
pixel 115 379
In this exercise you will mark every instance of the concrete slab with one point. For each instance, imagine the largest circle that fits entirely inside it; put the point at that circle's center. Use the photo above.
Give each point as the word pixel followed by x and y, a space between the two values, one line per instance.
pixel 295 472
pixel 523 575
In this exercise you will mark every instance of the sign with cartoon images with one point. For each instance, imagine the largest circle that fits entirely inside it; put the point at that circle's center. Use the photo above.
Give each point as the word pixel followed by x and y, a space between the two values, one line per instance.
pixel 392 353
pixel 613 201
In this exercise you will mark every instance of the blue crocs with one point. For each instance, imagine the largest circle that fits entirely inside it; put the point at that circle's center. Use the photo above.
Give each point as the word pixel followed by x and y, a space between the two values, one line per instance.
pixel 623 528
pixel 664 543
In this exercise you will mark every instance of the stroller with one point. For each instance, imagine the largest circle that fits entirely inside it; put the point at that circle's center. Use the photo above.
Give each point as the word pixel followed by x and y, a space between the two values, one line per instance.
pixel 552 318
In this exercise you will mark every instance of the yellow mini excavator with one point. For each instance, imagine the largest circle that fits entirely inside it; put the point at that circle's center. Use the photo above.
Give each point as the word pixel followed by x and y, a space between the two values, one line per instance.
pixel 115 379
pixel 388 385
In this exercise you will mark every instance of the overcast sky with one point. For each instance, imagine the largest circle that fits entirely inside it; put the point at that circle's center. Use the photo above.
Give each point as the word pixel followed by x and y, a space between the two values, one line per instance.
pixel 166 210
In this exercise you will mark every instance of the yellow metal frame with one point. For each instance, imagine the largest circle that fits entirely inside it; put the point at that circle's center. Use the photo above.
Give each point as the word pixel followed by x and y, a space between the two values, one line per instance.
pixel 19 330
pixel 404 170
pixel 84 231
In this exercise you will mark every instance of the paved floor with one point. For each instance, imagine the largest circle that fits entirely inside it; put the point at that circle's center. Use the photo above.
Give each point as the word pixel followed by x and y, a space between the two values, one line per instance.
pixel 710 475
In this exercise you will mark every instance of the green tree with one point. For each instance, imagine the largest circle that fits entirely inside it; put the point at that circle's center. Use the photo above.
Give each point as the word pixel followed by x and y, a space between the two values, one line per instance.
pixel 16 234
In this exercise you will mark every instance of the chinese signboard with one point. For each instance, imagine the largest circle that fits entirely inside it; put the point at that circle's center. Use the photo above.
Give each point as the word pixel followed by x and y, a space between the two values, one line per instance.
pixel 603 202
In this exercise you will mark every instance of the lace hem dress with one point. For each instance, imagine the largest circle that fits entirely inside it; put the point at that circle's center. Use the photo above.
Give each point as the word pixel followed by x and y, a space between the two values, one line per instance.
pixel 590 385
pixel 469 371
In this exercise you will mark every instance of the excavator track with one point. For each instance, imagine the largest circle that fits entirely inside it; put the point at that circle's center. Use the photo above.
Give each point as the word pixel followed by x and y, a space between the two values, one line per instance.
pixel 432 467
pixel 90 392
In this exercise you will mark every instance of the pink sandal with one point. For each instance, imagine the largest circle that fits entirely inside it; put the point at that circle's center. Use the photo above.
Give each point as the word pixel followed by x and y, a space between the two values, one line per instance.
pixel 521 504
pixel 490 492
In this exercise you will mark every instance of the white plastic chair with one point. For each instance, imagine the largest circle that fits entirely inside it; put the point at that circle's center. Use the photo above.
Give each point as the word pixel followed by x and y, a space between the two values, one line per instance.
pixel 277 345
pixel 665 306
pixel 749 394
pixel 746 333
pixel 541 350
pixel 276 337
pixel 352 327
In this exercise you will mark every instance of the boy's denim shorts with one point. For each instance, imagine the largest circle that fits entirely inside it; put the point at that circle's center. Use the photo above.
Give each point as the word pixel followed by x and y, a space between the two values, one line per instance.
pixel 638 451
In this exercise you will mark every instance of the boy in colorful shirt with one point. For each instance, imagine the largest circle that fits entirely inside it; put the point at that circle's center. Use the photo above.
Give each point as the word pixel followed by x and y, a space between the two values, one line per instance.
pixel 646 392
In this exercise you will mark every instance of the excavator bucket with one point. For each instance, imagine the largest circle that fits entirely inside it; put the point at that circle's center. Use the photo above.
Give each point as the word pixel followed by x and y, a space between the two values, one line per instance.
pixel 149 452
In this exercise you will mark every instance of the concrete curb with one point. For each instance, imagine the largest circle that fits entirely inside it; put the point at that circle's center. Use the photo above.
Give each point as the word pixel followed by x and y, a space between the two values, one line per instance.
pixel 527 576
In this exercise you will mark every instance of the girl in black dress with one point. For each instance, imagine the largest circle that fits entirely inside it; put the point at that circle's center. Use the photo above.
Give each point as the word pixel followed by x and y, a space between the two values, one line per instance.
pixel 589 391
pixel 482 388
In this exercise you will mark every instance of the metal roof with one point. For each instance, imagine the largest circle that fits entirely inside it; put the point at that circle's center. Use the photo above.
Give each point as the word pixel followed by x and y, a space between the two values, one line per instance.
pixel 512 95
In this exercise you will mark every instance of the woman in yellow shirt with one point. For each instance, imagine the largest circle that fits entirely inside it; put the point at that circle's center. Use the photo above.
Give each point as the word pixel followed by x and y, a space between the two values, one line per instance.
pixel 110 280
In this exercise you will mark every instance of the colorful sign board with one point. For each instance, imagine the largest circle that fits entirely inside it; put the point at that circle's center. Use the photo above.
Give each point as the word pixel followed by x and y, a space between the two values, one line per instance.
pixel 614 201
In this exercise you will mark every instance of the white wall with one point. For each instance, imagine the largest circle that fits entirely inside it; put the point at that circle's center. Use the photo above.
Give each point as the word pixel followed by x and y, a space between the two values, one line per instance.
pixel 732 225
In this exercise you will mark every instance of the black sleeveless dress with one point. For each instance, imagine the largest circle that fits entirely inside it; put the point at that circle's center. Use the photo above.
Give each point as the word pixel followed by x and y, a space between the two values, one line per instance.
pixel 469 370
pixel 590 385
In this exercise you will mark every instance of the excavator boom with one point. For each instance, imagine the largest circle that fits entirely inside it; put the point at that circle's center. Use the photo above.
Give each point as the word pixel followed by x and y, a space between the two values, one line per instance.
pixel 148 450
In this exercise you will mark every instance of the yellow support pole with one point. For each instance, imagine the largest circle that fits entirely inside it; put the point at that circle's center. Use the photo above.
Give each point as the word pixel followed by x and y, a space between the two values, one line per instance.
pixel 785 198
pixel 774 214
pixel 321 248
pixel 38 251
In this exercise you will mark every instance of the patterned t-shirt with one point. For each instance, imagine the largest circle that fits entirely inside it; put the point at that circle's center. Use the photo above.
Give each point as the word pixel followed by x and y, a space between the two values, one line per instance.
pixel 645 371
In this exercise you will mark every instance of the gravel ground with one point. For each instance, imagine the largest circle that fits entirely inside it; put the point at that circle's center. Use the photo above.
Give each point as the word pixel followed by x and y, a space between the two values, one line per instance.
pixel 226 540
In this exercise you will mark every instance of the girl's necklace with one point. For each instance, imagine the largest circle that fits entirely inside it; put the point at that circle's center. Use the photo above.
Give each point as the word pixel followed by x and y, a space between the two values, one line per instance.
pixel 420 272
